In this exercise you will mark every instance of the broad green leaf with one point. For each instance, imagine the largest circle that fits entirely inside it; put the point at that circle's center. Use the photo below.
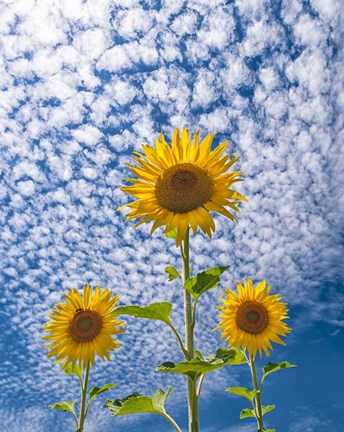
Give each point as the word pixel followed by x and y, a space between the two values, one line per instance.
pixel 204 281
pixel 95 391
pixel 137 403
pixel 172 272
pixel 243 391
pixel 198 366
pixel 274 367
pixel 247 412
pixel 267 408
pixel 64 406
pixel 70 370
pixel 172 234
pixel 231 355
pixel 155 311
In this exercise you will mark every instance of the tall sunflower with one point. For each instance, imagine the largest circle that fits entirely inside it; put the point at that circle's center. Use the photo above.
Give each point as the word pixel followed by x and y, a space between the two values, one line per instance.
pixel 83 326
pixel 179 185
pixel 252 318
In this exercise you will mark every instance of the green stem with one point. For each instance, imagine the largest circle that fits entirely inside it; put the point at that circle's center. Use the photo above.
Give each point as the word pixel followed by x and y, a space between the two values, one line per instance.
pixel 179 339
pixel 200 383
pixel 258 409
pixel 84 386
pixel 173 423
pixel 193 317
pixel 189 336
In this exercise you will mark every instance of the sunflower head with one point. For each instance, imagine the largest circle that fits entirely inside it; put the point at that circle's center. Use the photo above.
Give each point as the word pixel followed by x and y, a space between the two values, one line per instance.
pixel 178 185
pixel 82 327
pixel 252 318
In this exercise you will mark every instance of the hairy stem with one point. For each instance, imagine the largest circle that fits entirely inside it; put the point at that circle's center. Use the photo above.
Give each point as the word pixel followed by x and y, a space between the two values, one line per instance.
pixel 173 423
pixel 189 337
pixel 258 408
pixel 84 386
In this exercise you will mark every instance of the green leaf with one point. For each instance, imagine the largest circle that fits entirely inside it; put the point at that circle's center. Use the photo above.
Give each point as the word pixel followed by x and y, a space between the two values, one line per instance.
pixel 274 367
pixel 267 408
pixel 204 281
pixel 243 391
pixel 247 412
pixel 198 354
pixel 70 370
pixel 172 234
pixel 199 366
pixel 137 403
pixel 64 406
pixel 95 391
pixel 173 273
pixel 231 355
pixel 155 311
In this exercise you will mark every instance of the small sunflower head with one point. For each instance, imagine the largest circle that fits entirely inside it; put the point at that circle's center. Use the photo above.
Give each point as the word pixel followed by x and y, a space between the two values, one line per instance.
pixel 252 319
pixel 178 185
pixel 83 326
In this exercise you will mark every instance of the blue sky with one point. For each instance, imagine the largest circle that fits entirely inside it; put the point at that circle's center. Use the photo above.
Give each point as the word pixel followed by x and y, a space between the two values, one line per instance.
pixel 84 84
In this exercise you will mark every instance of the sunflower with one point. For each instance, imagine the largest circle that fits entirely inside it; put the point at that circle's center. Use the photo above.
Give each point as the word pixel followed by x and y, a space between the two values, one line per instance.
pixel 83 326
pixel 252 318
pixel 178 186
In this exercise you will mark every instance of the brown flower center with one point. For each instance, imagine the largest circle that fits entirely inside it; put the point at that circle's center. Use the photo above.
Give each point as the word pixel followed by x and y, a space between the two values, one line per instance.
pixel 85 326
pixel 183 187
pixel 252 317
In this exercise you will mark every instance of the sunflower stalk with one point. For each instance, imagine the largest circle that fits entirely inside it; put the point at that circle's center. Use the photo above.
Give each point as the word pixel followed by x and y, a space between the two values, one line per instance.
pixel 189 336
pixel 258 404
pixel 83 410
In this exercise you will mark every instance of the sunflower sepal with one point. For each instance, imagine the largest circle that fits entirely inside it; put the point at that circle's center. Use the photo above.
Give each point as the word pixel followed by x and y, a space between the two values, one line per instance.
pixel 204 281
pixel 243 391
pixel 172 273
pixel 173 234
pixel 274 367
pixel 73 370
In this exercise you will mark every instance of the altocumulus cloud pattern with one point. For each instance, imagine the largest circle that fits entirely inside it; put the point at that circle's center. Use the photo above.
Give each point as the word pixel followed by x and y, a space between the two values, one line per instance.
pixel 83 85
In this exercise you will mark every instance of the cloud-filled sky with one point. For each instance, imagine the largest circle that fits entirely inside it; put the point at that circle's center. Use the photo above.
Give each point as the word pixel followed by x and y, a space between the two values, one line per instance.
pixel 84 84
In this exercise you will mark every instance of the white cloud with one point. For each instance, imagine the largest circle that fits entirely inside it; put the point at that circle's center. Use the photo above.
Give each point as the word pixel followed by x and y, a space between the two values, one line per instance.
pixel 129 23
pixel 328 9
pixel 88 135
pixel 26 188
